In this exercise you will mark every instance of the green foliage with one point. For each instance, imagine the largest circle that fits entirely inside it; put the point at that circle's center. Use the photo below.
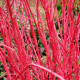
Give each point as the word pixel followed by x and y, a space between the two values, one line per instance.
pixel 59 9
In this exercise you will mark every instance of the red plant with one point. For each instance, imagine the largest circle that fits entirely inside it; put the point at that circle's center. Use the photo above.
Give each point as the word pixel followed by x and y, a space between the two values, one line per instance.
pixel 20 53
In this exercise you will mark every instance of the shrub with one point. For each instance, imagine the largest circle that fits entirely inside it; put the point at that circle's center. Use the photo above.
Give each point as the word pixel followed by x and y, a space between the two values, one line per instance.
pixel 40 39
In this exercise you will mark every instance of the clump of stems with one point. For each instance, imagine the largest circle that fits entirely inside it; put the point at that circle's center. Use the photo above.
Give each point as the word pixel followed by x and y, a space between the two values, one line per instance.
pixel 25 25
